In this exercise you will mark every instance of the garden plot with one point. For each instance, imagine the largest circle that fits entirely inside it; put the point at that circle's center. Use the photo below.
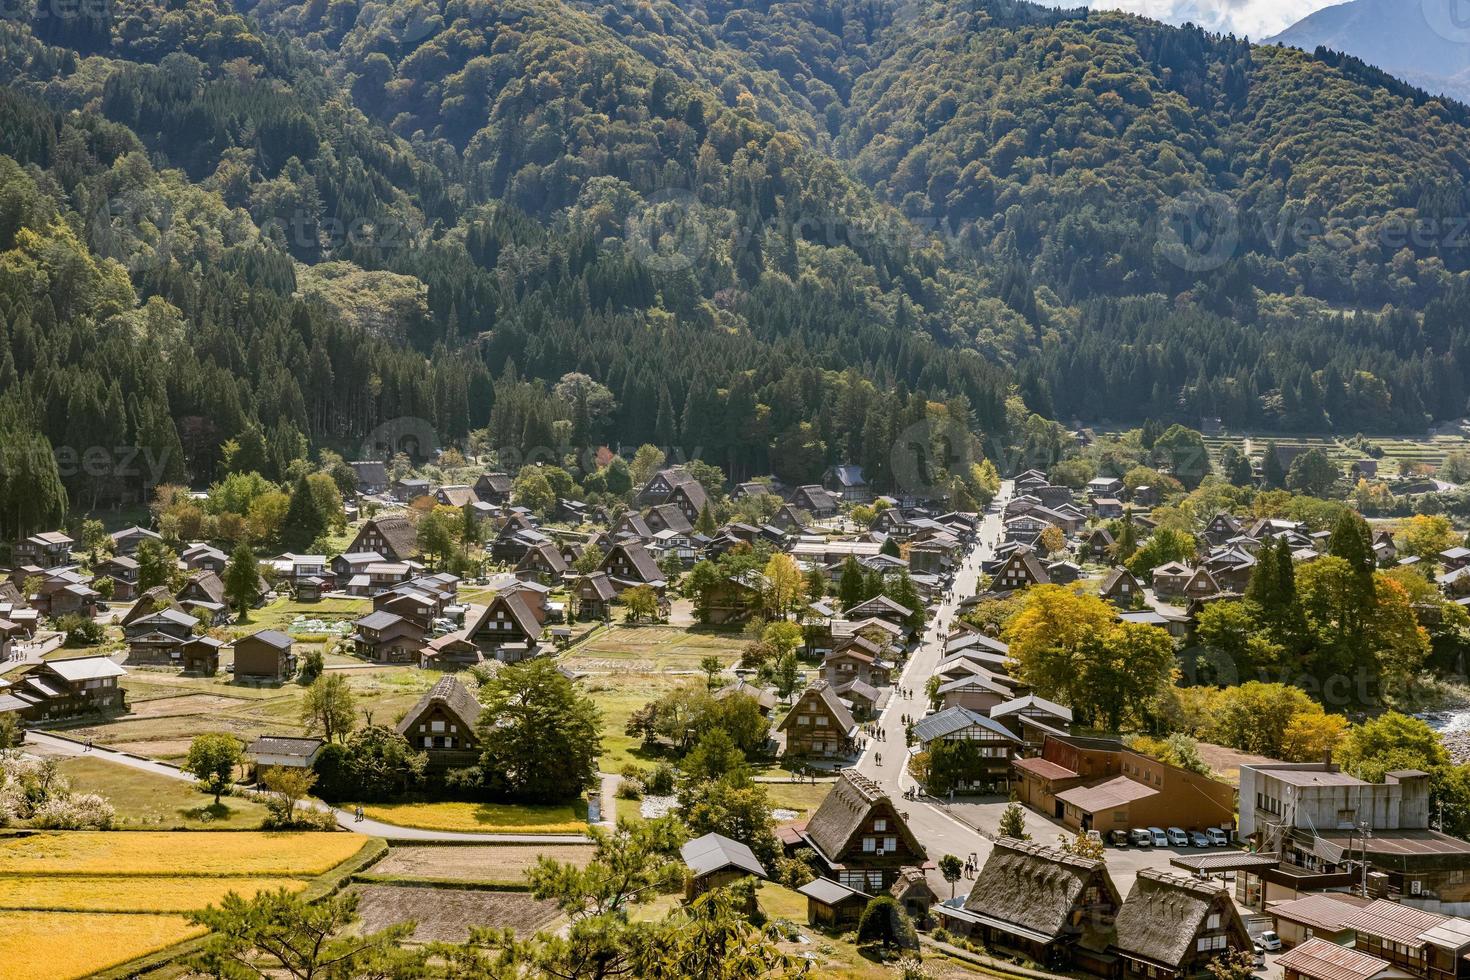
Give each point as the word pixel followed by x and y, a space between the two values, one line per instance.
pixel 482 863
pixel 447 914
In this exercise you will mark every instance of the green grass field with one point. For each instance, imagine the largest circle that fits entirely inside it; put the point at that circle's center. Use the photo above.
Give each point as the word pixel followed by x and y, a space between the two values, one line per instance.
pixel 145 801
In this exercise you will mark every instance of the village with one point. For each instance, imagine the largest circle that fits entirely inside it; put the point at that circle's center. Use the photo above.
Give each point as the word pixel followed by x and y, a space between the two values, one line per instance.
pixel 855 652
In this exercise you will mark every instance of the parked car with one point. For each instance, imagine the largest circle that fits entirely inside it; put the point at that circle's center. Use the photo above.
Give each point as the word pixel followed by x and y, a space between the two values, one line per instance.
pixel 1269 941
pixel 1161 839
pixel 1198 839
pixel 1093 835
pixel 1217 836
pixel 1118 838
pixel 1177 837
pixel 1142 838
pixel 1259 954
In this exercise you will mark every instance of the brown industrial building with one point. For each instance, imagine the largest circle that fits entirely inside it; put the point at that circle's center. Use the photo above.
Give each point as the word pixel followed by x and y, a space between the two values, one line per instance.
pixel 1101 784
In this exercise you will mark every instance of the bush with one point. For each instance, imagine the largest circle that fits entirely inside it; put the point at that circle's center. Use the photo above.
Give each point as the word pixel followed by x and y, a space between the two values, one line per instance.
pixel 630 789
pixel 884 921
pixel 312 666
pixel 81 631
pixel 660 782
pixel 75 811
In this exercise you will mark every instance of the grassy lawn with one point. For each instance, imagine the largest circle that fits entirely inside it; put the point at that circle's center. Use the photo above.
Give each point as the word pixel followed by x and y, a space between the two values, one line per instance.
pixel 144 800
pixel 66 945
pixel 618 696
pixel 804 798
pixel 488 818
pixel 243 854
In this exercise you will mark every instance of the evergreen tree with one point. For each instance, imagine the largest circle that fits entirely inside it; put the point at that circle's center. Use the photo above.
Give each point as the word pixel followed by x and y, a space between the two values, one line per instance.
pixel 304 521
pixel 851 587
pixel 1271 469
pixel 706 524
pixel 242 580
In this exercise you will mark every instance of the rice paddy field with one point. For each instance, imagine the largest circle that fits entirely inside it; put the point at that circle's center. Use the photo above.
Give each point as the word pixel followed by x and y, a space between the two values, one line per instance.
pixel 75 903
pixel 163 854
pixel 69 945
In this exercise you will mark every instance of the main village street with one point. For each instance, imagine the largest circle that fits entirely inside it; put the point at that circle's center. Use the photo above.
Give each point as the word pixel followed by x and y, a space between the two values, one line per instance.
pixel 966 826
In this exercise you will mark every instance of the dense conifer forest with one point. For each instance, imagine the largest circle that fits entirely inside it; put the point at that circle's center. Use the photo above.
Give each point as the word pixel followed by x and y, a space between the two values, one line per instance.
pixel 777 235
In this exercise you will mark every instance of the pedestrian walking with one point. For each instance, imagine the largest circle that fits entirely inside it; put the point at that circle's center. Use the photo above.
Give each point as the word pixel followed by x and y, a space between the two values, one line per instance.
pixel 89 746
pixel 359 814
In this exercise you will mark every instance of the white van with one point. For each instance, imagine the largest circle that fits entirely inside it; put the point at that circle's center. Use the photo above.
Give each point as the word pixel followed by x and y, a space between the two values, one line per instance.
pixel 1160 838
pixel 1217 836
pixel 1178 838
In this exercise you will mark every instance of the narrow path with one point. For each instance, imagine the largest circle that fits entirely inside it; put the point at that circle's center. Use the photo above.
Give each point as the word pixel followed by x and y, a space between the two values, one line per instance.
pixel 57 745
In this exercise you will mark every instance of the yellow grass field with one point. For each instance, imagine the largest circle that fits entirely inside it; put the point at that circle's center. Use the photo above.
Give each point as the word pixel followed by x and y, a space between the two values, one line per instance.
pixel 160 853
pixel 67 945
pixel 486 818
pixel 78 893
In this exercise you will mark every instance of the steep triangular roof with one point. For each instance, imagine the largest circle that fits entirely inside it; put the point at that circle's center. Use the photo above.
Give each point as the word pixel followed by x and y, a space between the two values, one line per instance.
pixel 453 696
pixel 845 811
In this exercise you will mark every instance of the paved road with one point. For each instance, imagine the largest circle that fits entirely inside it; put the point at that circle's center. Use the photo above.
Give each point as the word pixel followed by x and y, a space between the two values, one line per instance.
pixel 966 826
pixel 936 825
pixel 52 745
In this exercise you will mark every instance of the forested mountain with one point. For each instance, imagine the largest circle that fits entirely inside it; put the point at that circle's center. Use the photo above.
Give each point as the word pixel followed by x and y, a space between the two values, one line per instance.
pixel 778 234
pixel 1424 42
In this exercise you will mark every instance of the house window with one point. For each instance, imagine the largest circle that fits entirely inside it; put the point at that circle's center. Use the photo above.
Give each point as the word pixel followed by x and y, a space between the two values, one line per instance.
pixel 428 741
pixel 437 726
pixel 890 844
pixel 1213 921
pixel 880 825
pixel 803 719
pixel 870 844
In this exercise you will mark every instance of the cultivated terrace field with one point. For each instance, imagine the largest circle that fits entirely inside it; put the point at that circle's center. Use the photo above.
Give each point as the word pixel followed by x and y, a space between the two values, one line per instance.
pixel 93 901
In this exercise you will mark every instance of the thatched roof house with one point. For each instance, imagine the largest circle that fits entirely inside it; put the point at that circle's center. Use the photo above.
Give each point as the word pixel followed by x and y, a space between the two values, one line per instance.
pixel 860 836
pixel 1173 925
pixel 1044 901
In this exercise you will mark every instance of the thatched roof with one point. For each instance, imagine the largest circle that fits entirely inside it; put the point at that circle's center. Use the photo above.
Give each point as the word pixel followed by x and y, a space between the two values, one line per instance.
pixel 400 537
pixel 1034 887
pixel 1163 915
pixel 822 690
pixel 455 698
pixel 844 813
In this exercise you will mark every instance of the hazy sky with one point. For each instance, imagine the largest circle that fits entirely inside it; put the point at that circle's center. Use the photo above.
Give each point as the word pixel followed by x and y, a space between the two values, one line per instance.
pixel 1257 18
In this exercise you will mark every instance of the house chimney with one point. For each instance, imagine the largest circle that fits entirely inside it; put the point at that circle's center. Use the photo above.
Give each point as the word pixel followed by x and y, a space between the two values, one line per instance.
pixel 1327 759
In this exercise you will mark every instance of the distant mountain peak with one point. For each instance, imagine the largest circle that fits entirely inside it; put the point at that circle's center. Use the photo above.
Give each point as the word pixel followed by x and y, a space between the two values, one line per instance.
pixel 1426 42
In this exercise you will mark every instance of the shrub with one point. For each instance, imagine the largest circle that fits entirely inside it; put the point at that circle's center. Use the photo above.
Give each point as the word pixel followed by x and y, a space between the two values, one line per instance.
pixel 660 782
pixel 75 811
pixel 630 789
pixel 81 631
pixel 884 921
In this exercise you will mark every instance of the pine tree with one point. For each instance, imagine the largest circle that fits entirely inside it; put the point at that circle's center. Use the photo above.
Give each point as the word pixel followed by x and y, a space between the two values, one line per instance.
pixel 851 586
pixel 706 524
pixel 1271 469
pixel 242 579
pixel 304 522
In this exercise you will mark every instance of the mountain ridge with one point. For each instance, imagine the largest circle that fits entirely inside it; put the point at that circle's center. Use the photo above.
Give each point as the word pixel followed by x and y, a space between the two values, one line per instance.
pixel 1435 56
pixel 782 233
